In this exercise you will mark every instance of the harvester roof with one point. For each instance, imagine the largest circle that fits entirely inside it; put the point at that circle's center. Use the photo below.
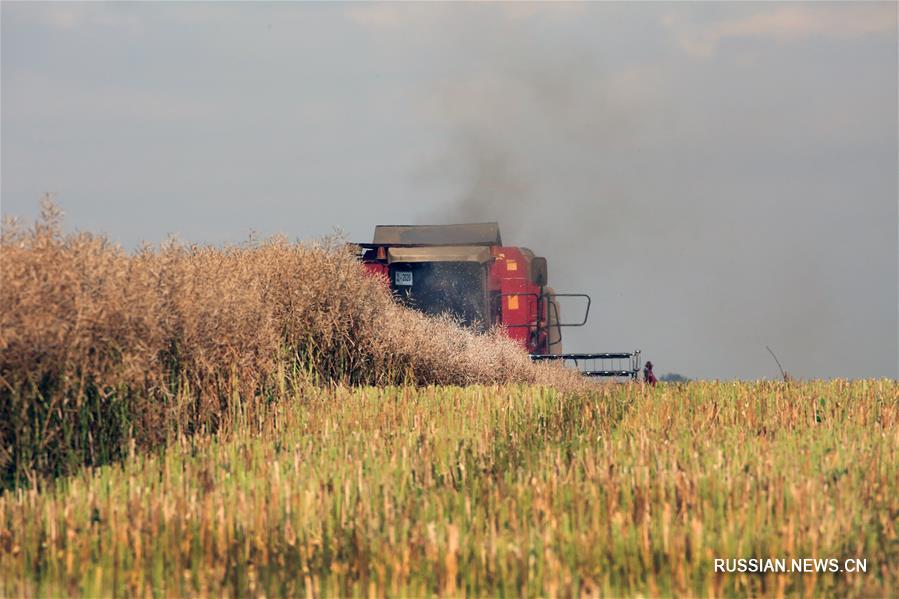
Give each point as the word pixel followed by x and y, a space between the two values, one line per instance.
pixel 425 235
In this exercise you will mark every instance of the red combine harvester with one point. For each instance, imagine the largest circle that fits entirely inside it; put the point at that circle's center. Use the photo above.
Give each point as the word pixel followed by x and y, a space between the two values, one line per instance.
pixel 466 271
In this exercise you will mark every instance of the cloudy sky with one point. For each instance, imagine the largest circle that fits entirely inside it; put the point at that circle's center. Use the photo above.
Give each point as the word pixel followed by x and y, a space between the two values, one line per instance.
pixel 718 176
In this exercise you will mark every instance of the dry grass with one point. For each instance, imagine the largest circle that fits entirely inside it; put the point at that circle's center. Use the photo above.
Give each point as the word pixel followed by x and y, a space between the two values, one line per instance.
pixel 98 346
pixel 486 491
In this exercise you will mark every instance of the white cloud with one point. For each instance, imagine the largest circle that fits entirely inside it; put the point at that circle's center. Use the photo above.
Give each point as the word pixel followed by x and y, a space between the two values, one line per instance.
pixel 389 15
pixel 786 23
pixel 68 16
pixel 377 15
pixel 558 9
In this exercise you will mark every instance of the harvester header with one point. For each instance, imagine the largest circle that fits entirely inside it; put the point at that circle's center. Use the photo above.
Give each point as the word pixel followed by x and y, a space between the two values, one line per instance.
pixel 466 271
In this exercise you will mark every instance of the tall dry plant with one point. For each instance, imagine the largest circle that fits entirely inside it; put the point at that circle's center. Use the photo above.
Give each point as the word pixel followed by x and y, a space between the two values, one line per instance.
pixel 99 347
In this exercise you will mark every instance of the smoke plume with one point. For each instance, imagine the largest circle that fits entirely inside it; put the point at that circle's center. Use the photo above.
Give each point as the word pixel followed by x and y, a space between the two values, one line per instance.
pixel 688 222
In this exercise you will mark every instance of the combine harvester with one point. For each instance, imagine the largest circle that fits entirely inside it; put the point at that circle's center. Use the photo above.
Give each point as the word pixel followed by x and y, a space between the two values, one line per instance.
pixel 466 271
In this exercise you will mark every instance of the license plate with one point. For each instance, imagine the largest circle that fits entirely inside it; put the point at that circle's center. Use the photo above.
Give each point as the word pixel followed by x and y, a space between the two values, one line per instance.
pixel 403 277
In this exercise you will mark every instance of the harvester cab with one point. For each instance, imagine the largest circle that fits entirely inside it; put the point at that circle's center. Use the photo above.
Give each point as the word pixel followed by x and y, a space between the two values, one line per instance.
pixel 467 272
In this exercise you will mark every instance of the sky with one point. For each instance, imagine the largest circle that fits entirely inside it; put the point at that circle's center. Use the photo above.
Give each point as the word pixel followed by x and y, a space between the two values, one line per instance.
pixel 719 177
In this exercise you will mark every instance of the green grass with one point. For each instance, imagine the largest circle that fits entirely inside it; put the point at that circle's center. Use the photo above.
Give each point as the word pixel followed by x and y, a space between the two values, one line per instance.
pixel 487 491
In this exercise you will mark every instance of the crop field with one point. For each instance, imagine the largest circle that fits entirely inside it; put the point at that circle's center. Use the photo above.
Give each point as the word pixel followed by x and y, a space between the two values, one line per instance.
pixel 484 490
pixel 264 420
